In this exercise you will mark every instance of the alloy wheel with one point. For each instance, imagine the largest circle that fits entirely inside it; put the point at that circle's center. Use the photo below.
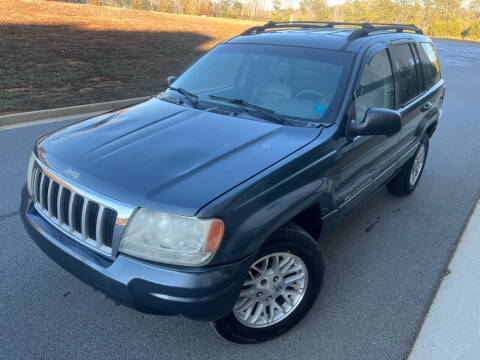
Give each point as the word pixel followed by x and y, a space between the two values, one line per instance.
pixel 417 165
pixel 275 286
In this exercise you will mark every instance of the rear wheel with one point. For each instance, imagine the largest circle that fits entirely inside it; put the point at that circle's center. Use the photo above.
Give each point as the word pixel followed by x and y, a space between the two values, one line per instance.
pixel 281 286
pixel 407 179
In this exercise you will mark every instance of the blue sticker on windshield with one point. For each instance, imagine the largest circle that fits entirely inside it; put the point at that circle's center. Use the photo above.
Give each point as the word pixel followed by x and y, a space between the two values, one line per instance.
pixel 319 108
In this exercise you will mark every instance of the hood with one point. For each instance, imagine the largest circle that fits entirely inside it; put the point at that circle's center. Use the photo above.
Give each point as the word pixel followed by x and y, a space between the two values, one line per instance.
pixel 165 156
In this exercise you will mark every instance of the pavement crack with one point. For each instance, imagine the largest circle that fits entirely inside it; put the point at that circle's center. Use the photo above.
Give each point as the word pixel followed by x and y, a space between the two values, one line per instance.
pixel 9 215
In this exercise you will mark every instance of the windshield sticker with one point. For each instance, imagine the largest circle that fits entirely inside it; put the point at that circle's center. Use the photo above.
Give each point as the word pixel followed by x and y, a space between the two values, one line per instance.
pixel 319 108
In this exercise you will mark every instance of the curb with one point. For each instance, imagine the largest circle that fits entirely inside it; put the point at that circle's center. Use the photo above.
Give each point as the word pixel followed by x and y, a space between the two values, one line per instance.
pixel 67 111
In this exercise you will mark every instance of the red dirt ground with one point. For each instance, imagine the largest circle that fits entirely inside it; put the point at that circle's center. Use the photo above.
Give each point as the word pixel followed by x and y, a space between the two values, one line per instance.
pixel 56 54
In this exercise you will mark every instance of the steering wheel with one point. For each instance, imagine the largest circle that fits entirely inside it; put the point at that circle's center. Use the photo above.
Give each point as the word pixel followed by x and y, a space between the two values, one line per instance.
pixel 301 94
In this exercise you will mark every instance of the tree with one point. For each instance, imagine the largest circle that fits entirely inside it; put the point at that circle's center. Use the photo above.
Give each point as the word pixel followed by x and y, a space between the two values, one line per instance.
pixel 315 9
pixel 474 31
pixel 447 9
pixel 279 13
pixel 452 28
pixel 355 11
pixel 408 11
pixel 164 6
pixel 474 6
pixel 380 11
pixel 137 4
pixel 448 18
pixel 237 9
pixel 188 7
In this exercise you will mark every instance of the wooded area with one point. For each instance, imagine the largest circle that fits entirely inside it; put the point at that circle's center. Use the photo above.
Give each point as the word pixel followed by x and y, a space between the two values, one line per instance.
pixel 442 18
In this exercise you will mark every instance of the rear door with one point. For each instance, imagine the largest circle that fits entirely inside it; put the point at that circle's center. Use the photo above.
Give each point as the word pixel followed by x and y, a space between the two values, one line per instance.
pixel 415 96
pixel 408 92
pixel 434 85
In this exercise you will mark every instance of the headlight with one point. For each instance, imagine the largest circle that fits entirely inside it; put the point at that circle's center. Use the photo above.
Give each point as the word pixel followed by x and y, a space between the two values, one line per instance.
pixel 31 162
pixel 171 239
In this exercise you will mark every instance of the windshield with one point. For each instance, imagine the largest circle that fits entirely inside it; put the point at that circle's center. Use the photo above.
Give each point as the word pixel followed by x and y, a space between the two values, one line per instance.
pixel 301 83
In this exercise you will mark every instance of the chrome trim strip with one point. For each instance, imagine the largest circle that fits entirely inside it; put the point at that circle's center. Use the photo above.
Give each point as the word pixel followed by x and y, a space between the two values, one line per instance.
pixel 98 228
pixel 35 188
pixel 373 180
pixel 83 220
pixel 49 198
pixel 70 211
pixel 407 154
pixel 59 205
pixel 40 191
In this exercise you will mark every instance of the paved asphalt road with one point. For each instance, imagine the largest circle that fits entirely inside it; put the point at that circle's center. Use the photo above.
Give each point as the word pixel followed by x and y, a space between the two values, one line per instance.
pixel 384 263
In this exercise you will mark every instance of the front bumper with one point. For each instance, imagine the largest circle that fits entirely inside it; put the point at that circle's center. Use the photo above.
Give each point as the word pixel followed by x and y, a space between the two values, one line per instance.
pixel 206 293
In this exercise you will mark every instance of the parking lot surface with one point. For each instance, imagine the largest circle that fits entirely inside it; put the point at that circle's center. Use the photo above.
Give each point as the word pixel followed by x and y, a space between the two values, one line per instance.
pixel 384 263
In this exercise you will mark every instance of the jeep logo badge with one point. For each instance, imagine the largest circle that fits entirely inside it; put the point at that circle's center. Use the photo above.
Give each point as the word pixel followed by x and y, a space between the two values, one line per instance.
pixel 72 173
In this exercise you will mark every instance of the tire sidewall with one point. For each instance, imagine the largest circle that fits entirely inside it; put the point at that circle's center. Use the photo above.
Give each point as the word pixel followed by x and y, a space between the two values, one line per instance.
pixel 303 246
pixel 409 187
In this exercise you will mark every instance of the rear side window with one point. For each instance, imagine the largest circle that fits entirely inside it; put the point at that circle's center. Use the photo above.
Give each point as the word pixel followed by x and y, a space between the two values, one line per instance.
pixel 408 74
pixel 376 85
pixel 418 67
pixel 431 67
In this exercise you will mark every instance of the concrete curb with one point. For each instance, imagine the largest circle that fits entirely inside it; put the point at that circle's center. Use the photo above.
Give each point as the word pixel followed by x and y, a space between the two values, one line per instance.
pixel 67 111
pixel 452 326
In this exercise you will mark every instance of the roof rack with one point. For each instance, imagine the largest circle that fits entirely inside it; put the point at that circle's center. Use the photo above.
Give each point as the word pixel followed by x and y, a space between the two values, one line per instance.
pixel 364 30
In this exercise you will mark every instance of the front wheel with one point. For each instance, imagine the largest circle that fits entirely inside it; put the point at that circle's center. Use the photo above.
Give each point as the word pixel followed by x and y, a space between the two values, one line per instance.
pixel 407 179
pixel 281 286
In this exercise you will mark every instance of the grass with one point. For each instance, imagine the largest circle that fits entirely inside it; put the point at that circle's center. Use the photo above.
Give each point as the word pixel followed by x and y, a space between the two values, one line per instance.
pixel 57 54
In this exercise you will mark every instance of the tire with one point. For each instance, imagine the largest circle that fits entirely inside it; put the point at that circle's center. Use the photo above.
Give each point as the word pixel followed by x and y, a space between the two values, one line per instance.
pixel 296 250
pixel 407 179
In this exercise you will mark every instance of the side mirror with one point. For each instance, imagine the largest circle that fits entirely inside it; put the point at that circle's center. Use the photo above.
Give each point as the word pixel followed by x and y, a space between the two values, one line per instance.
pixel 171 80
pixel 377 121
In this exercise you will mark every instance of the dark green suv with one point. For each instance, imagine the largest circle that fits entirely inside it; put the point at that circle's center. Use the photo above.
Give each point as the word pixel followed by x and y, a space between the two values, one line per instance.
pixel 208 199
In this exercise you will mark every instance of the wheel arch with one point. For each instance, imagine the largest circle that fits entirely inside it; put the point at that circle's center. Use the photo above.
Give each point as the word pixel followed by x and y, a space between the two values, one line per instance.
pixel 430 129
pixel 310 220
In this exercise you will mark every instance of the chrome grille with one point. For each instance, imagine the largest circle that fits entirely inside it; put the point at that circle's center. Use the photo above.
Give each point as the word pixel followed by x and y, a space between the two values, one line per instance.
pixel 84 219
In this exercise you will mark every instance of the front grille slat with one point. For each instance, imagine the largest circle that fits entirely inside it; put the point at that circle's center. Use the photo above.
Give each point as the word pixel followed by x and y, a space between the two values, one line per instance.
pixel 70 211
pixel 77 209
pixel 59 204
pixel 91 217
pixel 52 199
pixel 49 198
pixel 40 191
pixel 108 226
pixel 45 191
pixel 82 218
pixel 66 206
pixel 36 184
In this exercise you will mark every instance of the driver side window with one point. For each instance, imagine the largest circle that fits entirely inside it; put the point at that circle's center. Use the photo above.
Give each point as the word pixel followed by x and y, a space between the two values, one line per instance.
pixel 376 85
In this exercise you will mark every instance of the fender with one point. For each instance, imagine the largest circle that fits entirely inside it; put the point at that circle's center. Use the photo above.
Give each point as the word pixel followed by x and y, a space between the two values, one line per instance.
pixel 260 206
pixel 429 124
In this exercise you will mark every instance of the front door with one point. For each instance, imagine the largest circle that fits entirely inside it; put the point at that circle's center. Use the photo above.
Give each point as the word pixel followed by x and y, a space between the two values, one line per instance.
pixel 368 160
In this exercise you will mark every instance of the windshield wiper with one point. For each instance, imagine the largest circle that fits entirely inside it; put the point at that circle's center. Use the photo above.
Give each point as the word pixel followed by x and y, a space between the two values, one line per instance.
pixel 268 112
pixel 193 98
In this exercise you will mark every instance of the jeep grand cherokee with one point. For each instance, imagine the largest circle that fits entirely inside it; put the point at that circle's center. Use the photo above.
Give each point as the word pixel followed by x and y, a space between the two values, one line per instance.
pixel 208 199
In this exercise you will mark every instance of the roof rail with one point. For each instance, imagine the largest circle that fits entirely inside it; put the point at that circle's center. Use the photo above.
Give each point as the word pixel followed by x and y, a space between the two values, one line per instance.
pixel 364 30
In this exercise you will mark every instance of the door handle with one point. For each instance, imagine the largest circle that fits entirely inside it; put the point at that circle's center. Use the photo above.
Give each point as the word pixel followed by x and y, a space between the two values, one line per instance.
pixel 427 106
